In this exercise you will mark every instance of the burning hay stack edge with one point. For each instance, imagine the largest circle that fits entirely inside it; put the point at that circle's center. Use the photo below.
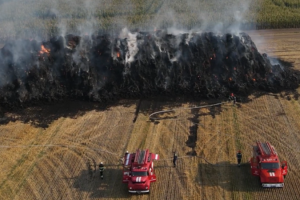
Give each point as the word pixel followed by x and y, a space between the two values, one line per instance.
pixel 105 67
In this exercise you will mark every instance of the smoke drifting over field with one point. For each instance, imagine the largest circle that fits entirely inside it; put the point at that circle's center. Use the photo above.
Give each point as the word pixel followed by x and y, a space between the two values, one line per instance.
pixel 106 67
pixel 216 15
pixel 73 58
pixel 45 19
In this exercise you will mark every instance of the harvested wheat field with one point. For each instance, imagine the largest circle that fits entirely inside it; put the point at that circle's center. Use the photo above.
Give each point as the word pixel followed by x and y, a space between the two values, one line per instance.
pixel 51 151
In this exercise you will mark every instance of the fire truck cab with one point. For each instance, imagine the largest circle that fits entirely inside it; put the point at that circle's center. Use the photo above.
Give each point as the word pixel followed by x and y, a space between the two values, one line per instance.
pixel 265 164
pixel 138 171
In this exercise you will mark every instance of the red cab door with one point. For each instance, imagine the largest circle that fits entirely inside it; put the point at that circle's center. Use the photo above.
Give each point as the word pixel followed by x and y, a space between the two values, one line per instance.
pixel 152 175
pixel 284 168
pixel 254 167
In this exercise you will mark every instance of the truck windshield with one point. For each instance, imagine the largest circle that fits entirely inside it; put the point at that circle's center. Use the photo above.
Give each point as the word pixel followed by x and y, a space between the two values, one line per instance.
pixel 142 173
pixel 270 165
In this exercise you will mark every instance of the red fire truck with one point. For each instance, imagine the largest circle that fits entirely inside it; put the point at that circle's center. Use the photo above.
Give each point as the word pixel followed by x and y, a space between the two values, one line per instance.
pixel 138 171
pixel 265 164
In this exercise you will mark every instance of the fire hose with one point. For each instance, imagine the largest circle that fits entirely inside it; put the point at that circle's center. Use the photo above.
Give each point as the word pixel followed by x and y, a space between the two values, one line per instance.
pixel 166 111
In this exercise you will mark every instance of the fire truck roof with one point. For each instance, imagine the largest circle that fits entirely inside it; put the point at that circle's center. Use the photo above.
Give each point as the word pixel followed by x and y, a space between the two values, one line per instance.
pixel 141 156
pixel 265 149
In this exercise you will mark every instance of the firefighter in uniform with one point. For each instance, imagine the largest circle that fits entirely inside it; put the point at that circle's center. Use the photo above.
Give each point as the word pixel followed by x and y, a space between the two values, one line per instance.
pixel 239 157
pixel 174 159
pixel 101 169
pixel 232 98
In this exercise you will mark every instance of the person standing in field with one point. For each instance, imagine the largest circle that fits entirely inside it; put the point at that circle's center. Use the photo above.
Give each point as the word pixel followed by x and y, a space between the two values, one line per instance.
pixel 239 157
pixel 232 98
pixel 101 169
pixel 175 159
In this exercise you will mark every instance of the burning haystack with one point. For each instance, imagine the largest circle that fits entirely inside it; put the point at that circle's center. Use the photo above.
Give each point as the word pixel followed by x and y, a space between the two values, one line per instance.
pixel 104 68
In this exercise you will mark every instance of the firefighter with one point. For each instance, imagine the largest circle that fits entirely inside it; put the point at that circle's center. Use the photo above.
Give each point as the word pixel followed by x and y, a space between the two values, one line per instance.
pixel 175 159
pixel 101 169
pixel 126 153
pixel 232 98
pixel 239 157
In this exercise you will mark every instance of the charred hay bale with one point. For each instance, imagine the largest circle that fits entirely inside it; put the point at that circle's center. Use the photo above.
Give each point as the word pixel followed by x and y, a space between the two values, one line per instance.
pixel 104 67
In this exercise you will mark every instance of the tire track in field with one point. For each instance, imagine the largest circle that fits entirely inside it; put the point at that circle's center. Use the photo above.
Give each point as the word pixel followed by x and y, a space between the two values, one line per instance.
pixel 51 164
pixel 88 186
pixel 293 153
pixel 43 178
pixel 113 140
pixel 116 177
pixel 265 126
pixel 239 115
pixel 207 144
pixel 271 135
pixel 264 123
pixel 276 106
pixel 72 138
pixel 267 134
pixel 42 183
pixel 290 154
pixel 180 172
pixel 228 127
pixel 5 182
pixel 167 184
pixel 91 148
pixel 28 171
pixel 181 138
pixel 27 192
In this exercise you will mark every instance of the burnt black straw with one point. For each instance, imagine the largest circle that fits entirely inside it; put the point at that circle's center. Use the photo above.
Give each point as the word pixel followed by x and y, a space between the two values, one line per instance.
pixel 105 67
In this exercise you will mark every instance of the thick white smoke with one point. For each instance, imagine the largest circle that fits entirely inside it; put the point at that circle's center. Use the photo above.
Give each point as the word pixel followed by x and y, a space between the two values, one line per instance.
pixel 49 17
pixel 42 19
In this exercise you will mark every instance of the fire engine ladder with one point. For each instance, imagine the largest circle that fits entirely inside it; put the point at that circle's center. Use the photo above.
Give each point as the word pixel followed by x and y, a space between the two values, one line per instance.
pixel 272 150
pixel 140 156
pixel 265 148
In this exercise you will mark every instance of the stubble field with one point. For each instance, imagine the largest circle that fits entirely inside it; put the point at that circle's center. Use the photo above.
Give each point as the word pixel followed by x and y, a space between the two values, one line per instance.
pixel 50 152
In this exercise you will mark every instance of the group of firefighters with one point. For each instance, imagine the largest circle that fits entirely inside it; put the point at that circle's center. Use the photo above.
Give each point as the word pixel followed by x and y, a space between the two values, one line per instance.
pixel 175 157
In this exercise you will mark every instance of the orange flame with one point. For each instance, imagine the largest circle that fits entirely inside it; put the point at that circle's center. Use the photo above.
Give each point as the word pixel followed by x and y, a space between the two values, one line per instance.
pixel 230 79
pixel 44 50
pixel 254 79
pixel 118 54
